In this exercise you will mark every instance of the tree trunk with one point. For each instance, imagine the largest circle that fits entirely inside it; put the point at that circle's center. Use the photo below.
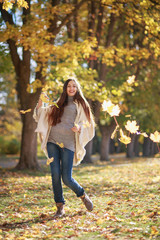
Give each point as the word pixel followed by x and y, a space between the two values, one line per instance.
pixel 130 147
pixel 155 148
pixel 118 147
pixel 96 145
pixel 28 155
pixel 136 146
pixel 152 148
pixel 22 65
pixel 106 132
pixel 87 158
pixel 146 147
pixel 105 146
pixel 112 147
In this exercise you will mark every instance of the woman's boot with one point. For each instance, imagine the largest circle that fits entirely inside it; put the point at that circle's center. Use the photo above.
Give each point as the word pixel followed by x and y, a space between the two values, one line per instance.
pixel 60 210
pixel 87 202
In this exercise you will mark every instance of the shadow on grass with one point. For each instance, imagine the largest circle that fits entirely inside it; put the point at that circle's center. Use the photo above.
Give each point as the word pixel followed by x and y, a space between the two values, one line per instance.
pixel 43 218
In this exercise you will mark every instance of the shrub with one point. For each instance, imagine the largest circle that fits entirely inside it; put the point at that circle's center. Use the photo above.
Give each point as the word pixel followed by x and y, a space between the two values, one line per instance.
pixel 9 146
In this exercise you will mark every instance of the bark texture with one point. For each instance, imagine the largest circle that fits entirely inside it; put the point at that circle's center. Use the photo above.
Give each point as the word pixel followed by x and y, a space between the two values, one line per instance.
pixel 106 132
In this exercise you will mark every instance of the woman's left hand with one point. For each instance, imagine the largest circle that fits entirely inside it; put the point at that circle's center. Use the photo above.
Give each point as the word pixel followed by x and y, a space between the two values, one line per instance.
pixel 76 128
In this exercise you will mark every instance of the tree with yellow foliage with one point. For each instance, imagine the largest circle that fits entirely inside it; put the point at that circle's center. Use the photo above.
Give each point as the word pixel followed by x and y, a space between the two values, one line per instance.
pixel 30 33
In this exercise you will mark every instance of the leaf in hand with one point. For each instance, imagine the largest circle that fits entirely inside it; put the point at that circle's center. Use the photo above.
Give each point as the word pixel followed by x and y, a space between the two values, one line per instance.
pixel 44 98
pixel 86 124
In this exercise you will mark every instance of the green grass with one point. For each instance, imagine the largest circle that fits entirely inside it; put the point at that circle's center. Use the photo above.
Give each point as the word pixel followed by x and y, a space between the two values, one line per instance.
pixel 126 201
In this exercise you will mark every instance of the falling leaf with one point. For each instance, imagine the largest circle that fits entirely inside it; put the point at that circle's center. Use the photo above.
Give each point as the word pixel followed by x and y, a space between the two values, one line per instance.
pixel 155 137
pixel 49 160
pixel 111 108
pixel 114 132
pixel 124 139
pixel 144 134
pixel 25 111
pixel 115 111
pixel 60 144
pixel 107 105
pixel 131 79
pixel 132 126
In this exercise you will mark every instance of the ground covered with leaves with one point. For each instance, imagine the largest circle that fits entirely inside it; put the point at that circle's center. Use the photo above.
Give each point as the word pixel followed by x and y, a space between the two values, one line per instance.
pixel 126 201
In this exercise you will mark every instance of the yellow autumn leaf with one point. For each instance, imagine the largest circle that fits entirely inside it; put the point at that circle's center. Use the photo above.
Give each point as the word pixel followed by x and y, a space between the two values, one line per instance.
pixel 25 111
pixel 100 221
pixel 132 126
pixel 7 5
pixel 124 139
pixel 107 105
pixel 49 160
pixel 60 144
pixel 144 217
pixel 131 79
pixel 86 124
pixel 22 3
pixel 58 236
pixel 114 132
pixel 115 111
pixel 45 88
pixel 44 98
pixel 111 108
pixel 154 230
pixel 144 134
pixel 155 137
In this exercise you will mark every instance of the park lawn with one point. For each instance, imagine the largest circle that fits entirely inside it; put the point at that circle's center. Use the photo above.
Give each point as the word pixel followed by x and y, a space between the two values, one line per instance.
pixel 126 201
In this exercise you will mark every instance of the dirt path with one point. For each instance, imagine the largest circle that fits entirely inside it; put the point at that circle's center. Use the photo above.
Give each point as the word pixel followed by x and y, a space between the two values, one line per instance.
pixel 115 160
pixel 12 162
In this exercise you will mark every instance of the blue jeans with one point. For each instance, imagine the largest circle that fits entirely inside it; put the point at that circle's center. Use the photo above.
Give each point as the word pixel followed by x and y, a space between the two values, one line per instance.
pixel 61 167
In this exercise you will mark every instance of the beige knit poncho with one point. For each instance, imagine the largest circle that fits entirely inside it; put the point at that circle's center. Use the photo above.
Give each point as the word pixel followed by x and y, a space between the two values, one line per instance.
pixel 86 134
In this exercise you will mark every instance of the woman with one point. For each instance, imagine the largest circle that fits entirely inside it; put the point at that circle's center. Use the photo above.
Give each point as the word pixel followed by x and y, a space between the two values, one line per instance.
pixel 64 132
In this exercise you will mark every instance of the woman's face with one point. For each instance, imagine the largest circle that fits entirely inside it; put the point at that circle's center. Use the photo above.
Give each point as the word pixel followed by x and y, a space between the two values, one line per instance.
pixel 71 88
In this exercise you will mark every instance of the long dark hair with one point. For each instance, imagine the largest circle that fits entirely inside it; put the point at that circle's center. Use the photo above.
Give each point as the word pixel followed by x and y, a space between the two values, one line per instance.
pixel 55 114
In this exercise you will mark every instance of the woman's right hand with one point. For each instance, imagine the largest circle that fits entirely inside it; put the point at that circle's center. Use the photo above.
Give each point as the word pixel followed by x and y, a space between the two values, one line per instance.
pixel 42 96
